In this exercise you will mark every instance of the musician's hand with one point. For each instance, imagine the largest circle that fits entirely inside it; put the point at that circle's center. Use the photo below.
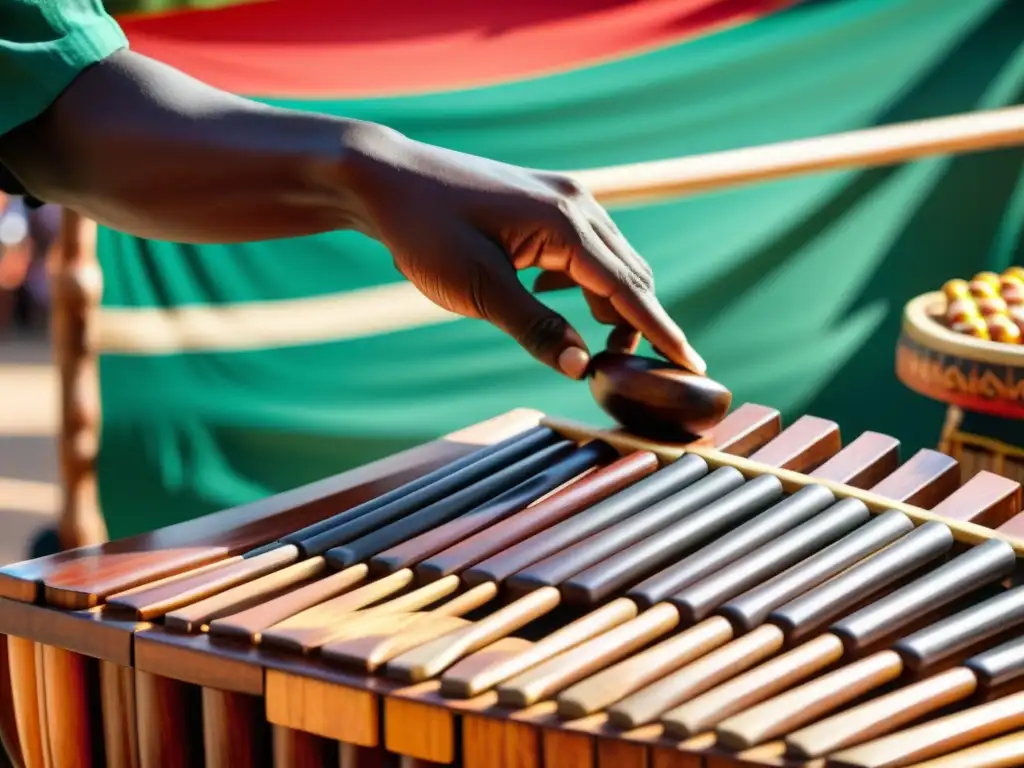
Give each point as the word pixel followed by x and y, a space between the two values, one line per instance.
pixel 460 226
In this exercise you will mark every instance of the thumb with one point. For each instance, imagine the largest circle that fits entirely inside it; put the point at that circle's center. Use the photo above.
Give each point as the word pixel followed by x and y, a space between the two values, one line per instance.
pixel 506 303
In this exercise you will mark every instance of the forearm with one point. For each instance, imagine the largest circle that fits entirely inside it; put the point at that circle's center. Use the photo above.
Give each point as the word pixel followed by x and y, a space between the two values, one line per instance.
pixel 150 151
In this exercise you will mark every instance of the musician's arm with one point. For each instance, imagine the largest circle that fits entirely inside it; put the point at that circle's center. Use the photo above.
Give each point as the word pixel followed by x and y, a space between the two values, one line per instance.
pixel 149 150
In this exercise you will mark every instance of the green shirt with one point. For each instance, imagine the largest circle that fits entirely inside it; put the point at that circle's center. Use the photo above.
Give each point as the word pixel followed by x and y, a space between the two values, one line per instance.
pixel 44 44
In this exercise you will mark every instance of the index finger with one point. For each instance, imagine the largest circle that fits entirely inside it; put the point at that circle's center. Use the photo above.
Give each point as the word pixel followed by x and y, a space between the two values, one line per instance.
pixel 597 268
pixel 644 312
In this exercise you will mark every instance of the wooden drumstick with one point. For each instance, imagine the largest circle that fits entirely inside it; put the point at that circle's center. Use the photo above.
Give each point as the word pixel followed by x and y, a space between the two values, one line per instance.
pixel 1003 752
pixel 991 668
pixel 560 671
pixel 433 658
pixel 937 737
pixel 918 652
pixel 752 608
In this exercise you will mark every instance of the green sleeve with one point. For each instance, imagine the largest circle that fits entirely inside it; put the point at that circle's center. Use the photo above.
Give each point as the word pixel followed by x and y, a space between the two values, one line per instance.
pixel 44 44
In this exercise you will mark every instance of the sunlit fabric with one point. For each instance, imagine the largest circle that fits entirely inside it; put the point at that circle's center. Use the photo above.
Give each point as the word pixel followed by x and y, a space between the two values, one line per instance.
pixel 791 290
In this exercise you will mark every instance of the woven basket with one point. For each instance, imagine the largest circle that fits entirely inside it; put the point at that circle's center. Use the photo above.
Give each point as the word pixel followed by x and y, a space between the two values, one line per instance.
pixel 977 375
pixel 982 381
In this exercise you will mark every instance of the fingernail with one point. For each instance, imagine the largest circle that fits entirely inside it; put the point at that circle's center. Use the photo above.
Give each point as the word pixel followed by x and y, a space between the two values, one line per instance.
pixel 573 362
pixel 699 366
pixel 623 338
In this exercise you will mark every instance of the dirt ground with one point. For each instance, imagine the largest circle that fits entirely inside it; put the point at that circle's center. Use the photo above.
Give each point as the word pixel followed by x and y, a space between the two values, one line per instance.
pixel 29 474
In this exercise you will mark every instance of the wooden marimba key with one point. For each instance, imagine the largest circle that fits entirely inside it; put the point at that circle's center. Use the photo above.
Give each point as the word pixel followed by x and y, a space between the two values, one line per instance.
pixel 532 593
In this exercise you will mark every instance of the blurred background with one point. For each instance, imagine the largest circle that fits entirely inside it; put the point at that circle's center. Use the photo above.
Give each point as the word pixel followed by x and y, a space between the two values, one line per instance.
pixel 230 373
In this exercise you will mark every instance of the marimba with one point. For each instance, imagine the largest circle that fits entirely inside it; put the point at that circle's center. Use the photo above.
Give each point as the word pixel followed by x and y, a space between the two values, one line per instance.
pixel 529 592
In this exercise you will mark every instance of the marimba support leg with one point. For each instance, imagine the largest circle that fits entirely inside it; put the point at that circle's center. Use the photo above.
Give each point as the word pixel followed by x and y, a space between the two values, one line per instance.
pixel 70 710
pixel 167 712
pixel 8 723
pixel 120 735
pixel 296 749
pixel 414 762
pixel 235 733
pixel 354 756
pixel 670 758
pixel 21 655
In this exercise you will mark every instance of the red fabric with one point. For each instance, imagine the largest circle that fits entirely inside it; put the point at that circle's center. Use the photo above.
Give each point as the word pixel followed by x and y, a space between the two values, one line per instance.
pixel 341 48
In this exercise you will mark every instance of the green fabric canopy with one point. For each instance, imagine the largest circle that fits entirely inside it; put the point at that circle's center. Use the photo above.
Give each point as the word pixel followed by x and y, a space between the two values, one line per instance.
pixel 792 290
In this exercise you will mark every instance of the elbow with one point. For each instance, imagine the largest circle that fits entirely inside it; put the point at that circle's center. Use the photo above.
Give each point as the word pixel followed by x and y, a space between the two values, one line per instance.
pixel 46 167
pixel 77 170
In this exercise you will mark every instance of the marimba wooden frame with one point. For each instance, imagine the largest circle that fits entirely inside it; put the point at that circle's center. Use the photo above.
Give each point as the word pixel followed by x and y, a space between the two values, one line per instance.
pixel 434 728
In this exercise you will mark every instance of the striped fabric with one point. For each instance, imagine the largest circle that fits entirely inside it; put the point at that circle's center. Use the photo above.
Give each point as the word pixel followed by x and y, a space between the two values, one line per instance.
pixel 230 372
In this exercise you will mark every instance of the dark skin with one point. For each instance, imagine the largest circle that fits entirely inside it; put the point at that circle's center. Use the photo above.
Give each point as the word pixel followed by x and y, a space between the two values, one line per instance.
pixel 148 150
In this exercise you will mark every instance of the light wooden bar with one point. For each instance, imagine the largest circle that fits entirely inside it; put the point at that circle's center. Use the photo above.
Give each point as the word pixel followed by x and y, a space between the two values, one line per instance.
pixel 868 148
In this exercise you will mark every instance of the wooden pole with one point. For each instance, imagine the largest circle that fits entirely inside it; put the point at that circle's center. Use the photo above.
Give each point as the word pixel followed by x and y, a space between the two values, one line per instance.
pixel 77 286
pixel 868 148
